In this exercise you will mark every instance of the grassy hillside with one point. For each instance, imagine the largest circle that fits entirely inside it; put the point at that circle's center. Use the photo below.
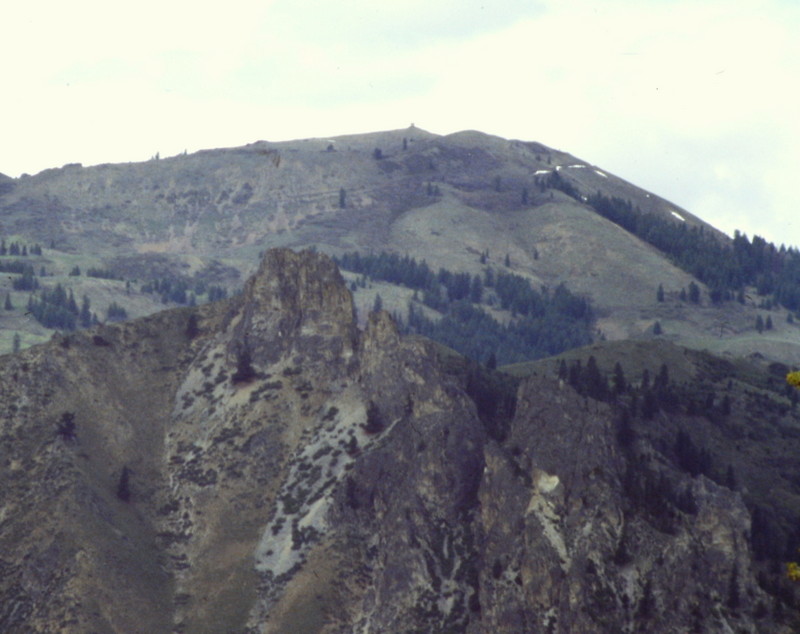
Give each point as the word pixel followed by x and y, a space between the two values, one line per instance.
pixel 446 199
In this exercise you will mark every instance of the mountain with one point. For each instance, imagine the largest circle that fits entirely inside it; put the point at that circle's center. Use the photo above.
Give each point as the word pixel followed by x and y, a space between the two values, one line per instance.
pixel 266 397
pixel 466 202
pixel 262 464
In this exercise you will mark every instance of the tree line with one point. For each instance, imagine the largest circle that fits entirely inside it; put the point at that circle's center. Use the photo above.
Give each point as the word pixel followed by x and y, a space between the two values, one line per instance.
pixel 544 322
pixel 726 268
pixel 18 248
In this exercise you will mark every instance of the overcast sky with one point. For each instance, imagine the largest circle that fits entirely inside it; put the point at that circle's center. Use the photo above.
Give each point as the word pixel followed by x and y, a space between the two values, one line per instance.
pixel 695 100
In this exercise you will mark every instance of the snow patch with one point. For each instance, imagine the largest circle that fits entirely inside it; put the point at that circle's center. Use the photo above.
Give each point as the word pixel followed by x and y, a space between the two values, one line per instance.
pixel 576 165
pixel 540 172
pixel 678 216
pixel 603 174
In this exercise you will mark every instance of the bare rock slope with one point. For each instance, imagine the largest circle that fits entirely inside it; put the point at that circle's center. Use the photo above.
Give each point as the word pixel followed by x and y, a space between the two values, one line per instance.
pixel 261 465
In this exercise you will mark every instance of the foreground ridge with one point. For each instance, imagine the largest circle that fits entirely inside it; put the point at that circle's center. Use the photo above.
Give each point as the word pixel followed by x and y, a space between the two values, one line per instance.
pixel 262 465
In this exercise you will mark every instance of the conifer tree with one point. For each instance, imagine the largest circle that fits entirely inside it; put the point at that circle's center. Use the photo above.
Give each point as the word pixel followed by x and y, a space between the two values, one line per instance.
pixel 85 315
pixel 123 486
pixel 8 305
pixel 244 368
pixel 476 290
pixel 694 293
pixel 619 382
pixel 192 328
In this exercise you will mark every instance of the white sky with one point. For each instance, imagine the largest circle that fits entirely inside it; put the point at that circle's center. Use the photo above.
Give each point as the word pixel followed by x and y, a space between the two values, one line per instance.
pixel 695 100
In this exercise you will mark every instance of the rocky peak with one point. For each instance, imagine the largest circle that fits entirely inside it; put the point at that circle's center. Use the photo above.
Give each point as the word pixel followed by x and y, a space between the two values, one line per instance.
pixel 295 300
pixel 348 483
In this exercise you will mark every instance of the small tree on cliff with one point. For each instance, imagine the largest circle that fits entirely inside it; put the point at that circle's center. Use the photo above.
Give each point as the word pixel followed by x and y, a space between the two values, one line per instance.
pixel 244 368
pixel 123 486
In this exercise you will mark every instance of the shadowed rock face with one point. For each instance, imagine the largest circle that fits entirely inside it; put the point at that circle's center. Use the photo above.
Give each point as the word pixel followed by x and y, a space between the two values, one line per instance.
pixel 344 483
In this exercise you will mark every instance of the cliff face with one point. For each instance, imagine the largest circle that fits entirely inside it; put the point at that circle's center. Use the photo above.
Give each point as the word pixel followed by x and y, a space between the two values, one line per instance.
pixel 260 465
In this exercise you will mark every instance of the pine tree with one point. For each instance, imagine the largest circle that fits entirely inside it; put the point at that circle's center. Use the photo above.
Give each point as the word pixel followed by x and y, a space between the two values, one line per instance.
pixel 244 368
pixel 594 383
pixel 662 380
pixel 123 486
pixel 85 316
pixel 17 342
pixel 660 293
pixel 378 303
pixel 694 293
pixel 342 198
pixel 734 598
pixel 66 426
pixel 768 323
pixel 476 290
pixel 657 328
pixel 730 478
pixel 619 382
pixel 192 328
pixel 8 304
pixel 760 324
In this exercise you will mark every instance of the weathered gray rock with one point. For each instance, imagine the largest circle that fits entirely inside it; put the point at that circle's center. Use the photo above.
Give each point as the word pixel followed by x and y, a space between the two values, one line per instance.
pixel 288 473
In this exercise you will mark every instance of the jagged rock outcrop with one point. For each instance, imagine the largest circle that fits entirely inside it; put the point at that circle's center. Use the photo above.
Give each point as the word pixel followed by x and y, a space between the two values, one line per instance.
pixel 260 465
pixel 583 536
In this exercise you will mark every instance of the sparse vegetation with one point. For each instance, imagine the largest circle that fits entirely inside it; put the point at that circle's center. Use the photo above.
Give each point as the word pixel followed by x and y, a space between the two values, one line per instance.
pixel 544 323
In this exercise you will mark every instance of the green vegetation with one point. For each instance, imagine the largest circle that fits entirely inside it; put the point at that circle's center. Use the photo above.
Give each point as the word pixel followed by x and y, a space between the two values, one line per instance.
pixel 543 322
pixel 115 312
pixel 182 291
pixel 55 308
pixel 725 268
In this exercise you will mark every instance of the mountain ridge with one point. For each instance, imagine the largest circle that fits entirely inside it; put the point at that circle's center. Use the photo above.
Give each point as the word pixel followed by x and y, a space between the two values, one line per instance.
pixel 260 464
pixel 444 198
